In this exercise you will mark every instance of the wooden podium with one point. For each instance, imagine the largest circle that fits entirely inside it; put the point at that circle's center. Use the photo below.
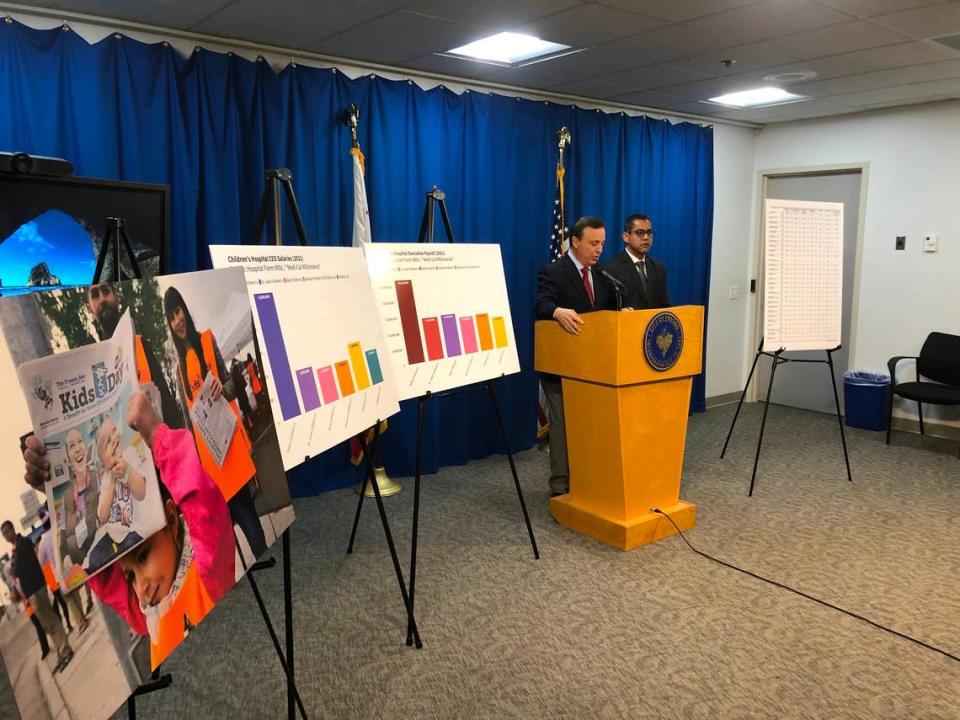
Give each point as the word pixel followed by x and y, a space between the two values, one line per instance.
pixel 626 421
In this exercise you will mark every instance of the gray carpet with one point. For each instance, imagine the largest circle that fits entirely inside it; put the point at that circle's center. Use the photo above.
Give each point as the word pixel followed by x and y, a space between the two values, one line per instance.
pixel 591 632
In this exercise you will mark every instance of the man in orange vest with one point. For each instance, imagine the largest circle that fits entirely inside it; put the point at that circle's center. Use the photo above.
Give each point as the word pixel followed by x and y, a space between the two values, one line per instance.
pixel 103 304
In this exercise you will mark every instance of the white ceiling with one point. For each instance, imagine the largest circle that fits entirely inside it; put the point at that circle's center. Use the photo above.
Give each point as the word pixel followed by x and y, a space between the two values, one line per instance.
pixel 656 53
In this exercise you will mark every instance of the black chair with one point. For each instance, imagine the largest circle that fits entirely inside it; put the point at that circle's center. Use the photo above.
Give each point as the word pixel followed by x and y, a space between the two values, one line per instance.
pixel 939 360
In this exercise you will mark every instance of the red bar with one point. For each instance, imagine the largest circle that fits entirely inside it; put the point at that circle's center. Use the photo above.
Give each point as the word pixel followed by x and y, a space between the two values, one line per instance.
pixel 409 321
pixel 431 331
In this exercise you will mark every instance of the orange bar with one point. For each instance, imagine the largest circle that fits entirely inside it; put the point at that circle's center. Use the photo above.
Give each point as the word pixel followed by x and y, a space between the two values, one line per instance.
pixel 483 329
pixel 343 376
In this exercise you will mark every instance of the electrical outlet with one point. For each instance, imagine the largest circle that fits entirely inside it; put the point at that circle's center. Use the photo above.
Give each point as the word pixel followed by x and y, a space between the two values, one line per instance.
pixel 901 242
pixel 931 242
pixel 734 292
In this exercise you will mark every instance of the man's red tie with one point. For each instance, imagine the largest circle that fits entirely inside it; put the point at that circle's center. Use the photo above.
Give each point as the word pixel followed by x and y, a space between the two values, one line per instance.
pixel 585 272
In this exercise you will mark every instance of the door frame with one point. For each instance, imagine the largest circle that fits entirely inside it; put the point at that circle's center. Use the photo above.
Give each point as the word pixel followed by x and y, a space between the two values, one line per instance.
pixel 763 175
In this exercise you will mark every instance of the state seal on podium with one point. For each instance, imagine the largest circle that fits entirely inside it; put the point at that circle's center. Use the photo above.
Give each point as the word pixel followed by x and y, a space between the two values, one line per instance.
pixel 663 341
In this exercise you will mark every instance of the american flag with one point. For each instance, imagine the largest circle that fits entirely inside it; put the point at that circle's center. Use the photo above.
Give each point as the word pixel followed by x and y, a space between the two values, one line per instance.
pixel 558 225
pixel 558 246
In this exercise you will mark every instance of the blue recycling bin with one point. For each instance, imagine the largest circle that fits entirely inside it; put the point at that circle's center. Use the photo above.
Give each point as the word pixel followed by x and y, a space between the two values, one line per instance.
pixel 866 397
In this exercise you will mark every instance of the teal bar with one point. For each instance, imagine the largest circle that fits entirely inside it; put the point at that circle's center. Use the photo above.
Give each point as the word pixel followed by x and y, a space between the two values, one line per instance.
pixel 373 363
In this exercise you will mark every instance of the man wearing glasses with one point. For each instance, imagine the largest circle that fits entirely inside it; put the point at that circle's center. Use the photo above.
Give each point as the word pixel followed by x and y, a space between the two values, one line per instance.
pixel 645 278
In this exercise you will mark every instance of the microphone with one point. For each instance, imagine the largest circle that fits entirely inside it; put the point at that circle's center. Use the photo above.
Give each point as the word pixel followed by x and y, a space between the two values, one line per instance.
pixel 619 286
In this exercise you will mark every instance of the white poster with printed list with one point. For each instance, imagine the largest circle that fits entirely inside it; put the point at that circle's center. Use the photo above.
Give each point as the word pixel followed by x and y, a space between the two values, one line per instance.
pixel 320 340
pixel 445 314
pixel 803 275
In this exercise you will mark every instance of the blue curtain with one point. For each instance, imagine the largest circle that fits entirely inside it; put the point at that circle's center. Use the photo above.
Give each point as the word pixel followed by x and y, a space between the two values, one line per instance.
pixel 209 125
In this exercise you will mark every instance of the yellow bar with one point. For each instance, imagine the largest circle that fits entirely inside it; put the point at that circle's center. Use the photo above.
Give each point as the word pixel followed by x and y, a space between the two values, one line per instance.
pixel 359 366
pixel 500 331
pixel 343 375
pixel 483 327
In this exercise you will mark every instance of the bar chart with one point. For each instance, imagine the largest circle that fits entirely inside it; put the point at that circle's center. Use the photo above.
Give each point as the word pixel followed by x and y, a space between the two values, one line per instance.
pixel 445 314
pixel 459 334
pixel 321 342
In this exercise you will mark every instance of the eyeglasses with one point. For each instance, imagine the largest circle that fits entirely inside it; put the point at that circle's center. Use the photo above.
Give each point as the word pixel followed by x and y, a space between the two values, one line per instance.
pixel 642 233
pixel 96 291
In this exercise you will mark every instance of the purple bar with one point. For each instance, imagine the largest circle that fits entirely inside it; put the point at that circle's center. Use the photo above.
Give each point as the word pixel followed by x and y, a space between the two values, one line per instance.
pixel 469 334
pixel 450 336
pixel 277 353
pixel 308 389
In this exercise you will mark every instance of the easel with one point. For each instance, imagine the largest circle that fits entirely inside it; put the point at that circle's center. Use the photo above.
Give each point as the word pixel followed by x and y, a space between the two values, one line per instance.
pixel 778 359
pixel 115 243
pixel 435 198
pixel 275 179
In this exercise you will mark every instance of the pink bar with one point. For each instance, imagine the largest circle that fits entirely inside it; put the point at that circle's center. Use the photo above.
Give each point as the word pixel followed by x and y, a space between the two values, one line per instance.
pixel 328 386
pixel 469 334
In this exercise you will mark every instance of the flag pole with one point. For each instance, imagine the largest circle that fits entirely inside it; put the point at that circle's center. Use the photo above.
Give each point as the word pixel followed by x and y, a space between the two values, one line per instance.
pixel 564 138
pixel 558 246
pixel 386 484
pixel 353 120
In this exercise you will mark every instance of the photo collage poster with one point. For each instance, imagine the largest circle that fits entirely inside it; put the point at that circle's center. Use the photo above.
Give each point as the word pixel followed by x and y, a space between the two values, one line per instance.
pixel 163 368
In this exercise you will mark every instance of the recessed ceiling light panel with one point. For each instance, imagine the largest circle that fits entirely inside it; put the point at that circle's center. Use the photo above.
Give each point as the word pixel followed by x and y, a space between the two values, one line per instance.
pixel 757 97
pixel 509 48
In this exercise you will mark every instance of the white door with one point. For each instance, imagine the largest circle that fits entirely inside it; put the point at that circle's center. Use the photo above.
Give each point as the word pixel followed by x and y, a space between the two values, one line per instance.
pixel 807 385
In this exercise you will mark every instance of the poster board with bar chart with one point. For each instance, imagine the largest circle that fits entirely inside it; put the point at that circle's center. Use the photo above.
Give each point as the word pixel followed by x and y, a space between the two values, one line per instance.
pixel 445 314
pixel 321 342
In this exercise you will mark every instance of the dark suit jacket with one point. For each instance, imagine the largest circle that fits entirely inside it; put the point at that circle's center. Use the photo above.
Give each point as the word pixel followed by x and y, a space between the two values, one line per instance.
pixel 622 268
pixel 560 285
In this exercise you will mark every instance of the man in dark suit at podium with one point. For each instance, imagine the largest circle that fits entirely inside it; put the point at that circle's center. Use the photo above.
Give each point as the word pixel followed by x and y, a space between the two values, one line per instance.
pixel 644 277
pixel 566 288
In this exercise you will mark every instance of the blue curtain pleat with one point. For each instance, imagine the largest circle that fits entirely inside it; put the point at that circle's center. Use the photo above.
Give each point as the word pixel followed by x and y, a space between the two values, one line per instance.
pixel 210 125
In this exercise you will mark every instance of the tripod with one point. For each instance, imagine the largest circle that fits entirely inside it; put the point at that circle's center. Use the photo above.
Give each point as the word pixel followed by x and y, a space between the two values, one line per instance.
pixel 778 360
pixel 277 179
pixel 437 198
pixel 115 244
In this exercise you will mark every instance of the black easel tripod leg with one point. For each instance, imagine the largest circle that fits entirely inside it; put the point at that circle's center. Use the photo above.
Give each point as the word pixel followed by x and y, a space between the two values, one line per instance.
pixel 129 248
pixel 513 468
pixel 743 395
pixel 356 517
pixel 446 220
pixel 371 476
pixel 295 210
pixel 262 211
pixel 102 256
pixel 763 423
pixel 415 533
pixel 276 644
pixel 836 400
pixel 288 623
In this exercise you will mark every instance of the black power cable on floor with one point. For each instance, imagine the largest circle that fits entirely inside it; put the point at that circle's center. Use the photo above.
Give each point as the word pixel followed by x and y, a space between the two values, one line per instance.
pixel 802 594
